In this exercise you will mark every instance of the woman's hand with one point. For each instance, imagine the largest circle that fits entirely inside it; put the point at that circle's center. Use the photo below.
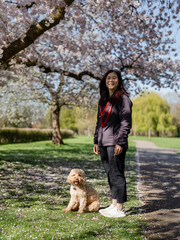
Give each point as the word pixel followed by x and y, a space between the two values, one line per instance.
pixel 95 149
pixel 117 150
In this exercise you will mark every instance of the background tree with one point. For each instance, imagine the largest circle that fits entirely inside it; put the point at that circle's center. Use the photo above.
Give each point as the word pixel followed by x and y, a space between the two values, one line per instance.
pixel 151 114
pixel 65 92
pixel 86 120
pixel 175 111
pixel 173 99
pixel 22 114
pixel 80 119
pixel 68 119
pixel 54 90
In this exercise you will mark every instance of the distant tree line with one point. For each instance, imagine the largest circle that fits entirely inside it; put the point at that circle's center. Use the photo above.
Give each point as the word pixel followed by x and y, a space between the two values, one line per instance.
pixel 152 116
pixel 81 120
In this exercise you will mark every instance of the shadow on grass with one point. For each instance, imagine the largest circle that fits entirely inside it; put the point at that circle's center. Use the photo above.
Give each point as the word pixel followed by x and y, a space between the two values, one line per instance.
pixel 31 172
pixel 48 154
pixel 34 191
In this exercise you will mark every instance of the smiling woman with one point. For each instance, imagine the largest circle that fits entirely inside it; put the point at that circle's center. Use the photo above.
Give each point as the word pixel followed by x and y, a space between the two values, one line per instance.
pixel 112 82
pixel 112 129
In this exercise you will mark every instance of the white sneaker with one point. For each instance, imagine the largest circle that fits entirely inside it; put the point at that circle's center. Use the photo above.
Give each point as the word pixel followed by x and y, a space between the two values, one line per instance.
pixel 114 213
pixel 106 209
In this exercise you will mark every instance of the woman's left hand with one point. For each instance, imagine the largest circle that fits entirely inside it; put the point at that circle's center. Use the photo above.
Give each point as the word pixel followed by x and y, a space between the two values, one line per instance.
pixel 117 150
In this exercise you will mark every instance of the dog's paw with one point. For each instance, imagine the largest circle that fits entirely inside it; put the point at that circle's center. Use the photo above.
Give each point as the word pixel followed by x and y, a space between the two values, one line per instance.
pixel 66 210
pixel 80 211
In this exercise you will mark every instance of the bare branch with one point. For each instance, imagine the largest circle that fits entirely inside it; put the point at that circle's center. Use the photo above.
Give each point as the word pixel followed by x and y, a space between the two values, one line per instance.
pixel 131 64
pixel 27 6
pixel 45 69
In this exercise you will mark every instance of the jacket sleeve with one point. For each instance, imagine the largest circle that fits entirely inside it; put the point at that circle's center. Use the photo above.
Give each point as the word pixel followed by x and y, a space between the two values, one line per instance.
pixel 97 128
pixel 125 116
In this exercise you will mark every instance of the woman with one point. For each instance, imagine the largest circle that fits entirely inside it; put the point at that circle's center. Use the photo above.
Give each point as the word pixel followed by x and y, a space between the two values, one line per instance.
pixel 111 134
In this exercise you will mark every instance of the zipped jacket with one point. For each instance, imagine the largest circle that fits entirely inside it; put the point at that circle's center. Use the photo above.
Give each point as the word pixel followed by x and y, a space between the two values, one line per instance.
pixel 118 125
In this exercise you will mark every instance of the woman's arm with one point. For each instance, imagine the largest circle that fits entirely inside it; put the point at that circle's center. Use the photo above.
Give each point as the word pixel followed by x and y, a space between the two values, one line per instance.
pixel 95 147
pixel 125 115
pixel 96 129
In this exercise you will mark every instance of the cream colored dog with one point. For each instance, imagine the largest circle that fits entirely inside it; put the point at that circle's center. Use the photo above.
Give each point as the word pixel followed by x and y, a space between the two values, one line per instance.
pixel 84 198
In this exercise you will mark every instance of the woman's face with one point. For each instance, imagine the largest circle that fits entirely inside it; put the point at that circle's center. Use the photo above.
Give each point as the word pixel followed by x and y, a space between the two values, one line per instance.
pixel 112 81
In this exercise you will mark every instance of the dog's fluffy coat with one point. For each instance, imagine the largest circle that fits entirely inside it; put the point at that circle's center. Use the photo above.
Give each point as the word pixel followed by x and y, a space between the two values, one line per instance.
pixel 84 198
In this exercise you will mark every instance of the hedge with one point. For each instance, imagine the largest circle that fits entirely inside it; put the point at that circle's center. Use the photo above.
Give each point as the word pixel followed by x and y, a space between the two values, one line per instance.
pixel 29 135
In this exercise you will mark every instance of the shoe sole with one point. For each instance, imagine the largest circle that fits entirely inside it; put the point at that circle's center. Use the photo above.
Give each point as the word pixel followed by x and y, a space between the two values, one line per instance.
pixel 106 215
pixel 104 210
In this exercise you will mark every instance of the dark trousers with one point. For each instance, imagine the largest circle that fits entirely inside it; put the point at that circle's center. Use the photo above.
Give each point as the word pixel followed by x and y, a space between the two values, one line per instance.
pixel 114 167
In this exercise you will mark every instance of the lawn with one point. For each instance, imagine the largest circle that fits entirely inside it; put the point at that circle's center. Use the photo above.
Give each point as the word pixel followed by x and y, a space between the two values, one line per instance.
pixel 164 142
pixel 34 192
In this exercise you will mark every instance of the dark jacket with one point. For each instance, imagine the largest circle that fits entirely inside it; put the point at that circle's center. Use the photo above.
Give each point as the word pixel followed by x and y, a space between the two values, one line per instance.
pixel 118 125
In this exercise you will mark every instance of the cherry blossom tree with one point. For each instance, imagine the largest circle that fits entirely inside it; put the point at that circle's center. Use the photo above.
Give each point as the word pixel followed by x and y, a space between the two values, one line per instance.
pixel 92 36
pixel 64 92
pixel 52 89
pixel 81 39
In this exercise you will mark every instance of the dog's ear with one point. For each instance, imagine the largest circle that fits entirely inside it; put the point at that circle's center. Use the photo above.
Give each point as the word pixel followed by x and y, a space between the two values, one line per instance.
pixel 82 173
pixel 69 179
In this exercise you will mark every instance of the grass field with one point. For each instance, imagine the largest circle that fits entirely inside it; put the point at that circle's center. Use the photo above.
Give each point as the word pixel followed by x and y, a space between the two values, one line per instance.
pixel 164 142
pixel 34 191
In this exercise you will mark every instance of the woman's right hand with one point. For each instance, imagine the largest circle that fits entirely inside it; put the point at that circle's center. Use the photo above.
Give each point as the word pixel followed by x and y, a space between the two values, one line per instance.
pixel 95 149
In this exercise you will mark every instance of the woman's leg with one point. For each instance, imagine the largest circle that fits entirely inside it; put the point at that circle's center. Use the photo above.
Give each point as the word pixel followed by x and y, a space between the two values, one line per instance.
pixel 116 176
pixel 105 161
pixel 114 167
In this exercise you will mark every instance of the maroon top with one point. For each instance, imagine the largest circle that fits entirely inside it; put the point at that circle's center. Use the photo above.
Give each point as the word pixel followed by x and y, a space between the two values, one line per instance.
pixel 118 125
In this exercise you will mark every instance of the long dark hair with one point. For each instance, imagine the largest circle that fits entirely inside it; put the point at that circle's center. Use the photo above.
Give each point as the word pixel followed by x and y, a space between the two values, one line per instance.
pixel 104 92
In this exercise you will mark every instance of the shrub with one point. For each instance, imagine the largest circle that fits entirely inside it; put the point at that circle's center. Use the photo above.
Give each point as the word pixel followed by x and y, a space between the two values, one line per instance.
pixel 29 135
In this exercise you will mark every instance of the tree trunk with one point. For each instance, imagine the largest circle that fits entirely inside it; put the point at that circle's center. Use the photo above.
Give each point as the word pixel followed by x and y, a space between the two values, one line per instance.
pixel 56 133
pixel 162 133
pixel 157 133
pixel 149 133
pixel 178 131
pixel 134 132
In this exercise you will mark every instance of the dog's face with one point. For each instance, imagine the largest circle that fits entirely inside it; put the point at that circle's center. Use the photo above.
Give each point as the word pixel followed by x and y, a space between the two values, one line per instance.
pixel 76 177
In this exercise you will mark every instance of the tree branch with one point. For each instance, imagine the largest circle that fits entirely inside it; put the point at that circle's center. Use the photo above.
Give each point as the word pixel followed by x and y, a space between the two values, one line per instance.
pixel 34 32
pixel 132 63
pixel 27 6
pixel 78 77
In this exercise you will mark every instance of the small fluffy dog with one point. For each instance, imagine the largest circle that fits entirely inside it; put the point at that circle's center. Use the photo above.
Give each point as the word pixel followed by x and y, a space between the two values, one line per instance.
pixel 84 198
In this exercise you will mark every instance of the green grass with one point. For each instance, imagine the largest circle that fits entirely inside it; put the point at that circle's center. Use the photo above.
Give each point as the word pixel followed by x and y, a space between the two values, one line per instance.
pixel 34 192
pixel 164 142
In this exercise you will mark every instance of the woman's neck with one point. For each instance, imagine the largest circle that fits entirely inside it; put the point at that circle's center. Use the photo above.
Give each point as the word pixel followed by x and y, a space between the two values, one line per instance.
pixel 111 92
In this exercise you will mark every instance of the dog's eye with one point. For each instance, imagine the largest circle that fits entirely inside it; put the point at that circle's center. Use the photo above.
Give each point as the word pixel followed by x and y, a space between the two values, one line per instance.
pixel 79 175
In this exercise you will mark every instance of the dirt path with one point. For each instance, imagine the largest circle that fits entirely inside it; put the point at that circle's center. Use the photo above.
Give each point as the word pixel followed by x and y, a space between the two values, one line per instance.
pixel 159 186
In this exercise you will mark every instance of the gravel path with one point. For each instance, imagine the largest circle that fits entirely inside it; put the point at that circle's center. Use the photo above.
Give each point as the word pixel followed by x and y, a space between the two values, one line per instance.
pixel 159 186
